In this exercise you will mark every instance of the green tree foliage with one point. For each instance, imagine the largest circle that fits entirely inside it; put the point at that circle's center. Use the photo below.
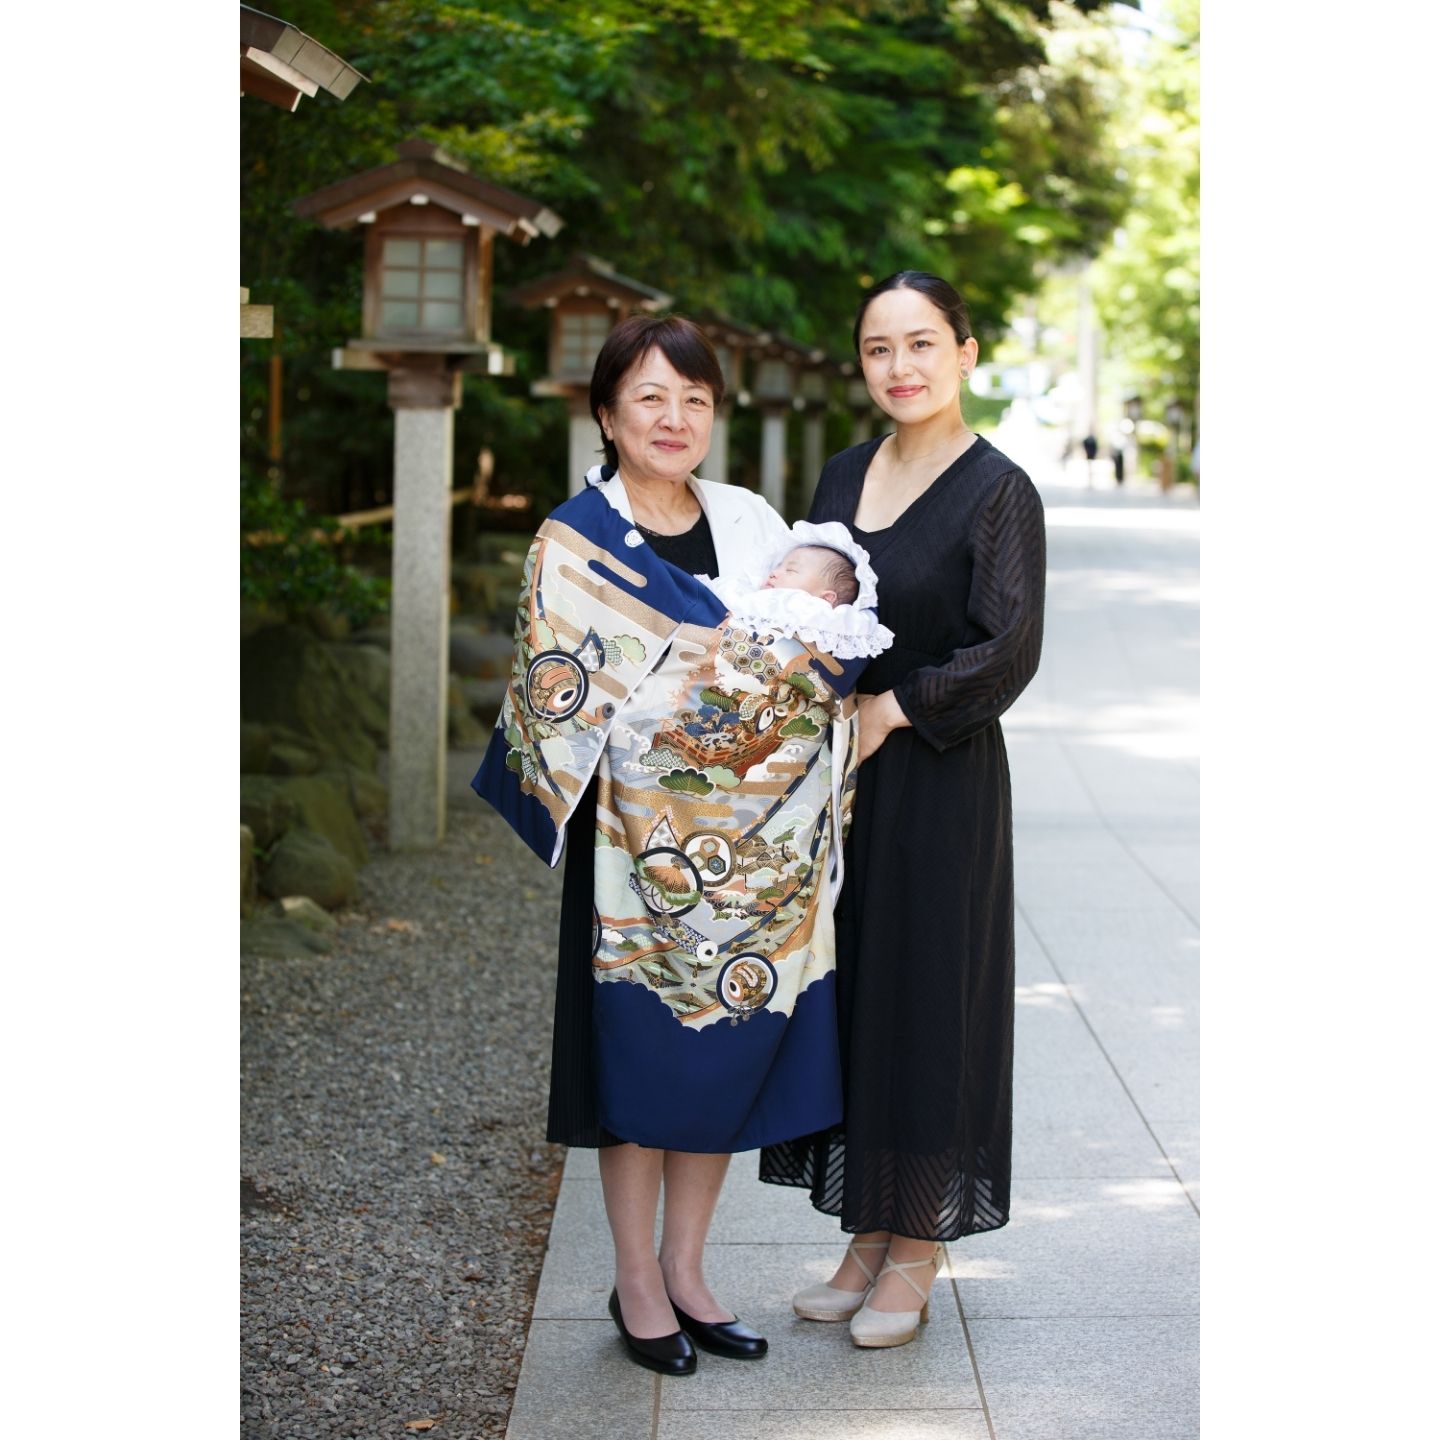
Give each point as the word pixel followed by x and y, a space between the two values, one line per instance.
pixel 290 563
pixel 763 159
pixel 1148 281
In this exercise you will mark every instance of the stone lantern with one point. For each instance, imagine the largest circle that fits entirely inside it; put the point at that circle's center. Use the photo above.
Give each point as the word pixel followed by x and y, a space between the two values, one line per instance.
pixel 732 341
pixel 775 384
pixel 586 299
pixel 430 228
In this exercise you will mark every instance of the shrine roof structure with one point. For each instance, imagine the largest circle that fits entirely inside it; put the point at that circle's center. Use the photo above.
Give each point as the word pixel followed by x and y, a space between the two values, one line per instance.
pixel 590 275
pixel 425 174
pixel 280 64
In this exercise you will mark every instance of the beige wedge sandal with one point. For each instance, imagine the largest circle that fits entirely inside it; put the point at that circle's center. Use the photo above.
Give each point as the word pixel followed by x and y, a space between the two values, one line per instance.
pixel 878 1329
pixel 830 1302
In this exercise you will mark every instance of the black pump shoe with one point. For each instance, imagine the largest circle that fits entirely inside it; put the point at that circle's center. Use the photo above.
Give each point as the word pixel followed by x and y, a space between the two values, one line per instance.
pixel 733 1339
pixel 666 1354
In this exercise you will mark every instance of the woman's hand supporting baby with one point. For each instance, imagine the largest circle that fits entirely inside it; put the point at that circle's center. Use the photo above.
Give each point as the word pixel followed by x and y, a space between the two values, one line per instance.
pixel 878 716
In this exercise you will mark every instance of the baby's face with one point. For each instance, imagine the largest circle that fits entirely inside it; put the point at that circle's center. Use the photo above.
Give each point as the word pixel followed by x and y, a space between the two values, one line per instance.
pixel 802 569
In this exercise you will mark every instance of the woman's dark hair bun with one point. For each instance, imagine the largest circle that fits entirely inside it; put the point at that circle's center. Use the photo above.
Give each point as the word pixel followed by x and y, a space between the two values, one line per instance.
pixel 940 293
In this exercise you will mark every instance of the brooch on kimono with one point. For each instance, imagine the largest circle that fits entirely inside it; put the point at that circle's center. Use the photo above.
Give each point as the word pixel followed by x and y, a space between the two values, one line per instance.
pixel 634 538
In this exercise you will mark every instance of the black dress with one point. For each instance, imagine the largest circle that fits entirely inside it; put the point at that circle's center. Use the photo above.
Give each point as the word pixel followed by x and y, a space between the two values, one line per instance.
pixel 925 927
pixel 574 1116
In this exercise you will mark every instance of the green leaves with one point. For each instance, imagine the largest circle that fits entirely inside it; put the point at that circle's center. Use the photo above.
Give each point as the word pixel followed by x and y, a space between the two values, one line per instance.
pixel 293 563
pixel 764 158
pixel 1148 282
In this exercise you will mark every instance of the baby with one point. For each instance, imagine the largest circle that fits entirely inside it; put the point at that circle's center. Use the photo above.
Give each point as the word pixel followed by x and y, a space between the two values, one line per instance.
pixel 819 588
pixel 817 570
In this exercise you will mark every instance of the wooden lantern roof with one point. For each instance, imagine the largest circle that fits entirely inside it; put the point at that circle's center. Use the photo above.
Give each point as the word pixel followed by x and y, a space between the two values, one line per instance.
pixel 425 174
pixel 590 277
pixel 279 64
pixel 722 330
pixel 793 352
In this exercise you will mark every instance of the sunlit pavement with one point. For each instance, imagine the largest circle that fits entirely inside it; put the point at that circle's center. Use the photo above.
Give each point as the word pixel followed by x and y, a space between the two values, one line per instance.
pixel 1079 1320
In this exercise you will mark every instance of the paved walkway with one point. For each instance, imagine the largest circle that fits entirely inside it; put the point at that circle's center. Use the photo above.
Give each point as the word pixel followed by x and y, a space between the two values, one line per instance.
pixel 1079 1320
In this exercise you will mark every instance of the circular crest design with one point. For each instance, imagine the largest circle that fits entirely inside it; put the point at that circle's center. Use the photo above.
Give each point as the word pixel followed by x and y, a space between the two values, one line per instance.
pixel 667 880
pixel 712 855
pixel 555 685
pixel 746 984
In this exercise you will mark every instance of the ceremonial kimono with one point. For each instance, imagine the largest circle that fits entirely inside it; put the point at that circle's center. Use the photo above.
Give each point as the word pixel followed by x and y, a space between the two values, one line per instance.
pixel 724 760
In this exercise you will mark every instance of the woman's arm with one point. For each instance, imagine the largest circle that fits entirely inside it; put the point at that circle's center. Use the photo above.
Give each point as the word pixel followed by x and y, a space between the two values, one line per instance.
pixel 950 702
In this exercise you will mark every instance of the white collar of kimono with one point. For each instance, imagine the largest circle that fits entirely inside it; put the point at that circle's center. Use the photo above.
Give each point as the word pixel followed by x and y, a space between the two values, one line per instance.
pixel 830 533
pixel 601 477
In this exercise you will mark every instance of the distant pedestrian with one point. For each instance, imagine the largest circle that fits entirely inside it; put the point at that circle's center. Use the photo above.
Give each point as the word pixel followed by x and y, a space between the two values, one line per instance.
pixel 1117 457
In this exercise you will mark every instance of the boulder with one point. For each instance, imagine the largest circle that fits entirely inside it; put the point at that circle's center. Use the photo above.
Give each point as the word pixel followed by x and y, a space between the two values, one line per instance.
pixel 483 698
pixel 302 910
pixel 377 633
pixel 369 798
pixel 304 863
pixel 288 677
pixel 461 726
pixel 367 670
pixel 280 939
pixel 265 809
pixel 489 586
pixel 321 803
pixel 248 881
pixel 479 654
pixel 292 760
pixel 327 624
pixel 256 615
pixel 255 743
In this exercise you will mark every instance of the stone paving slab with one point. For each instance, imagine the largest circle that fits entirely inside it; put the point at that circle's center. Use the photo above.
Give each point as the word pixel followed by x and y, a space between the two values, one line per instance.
pixel 1115 1378
pixel 577 1383
pixel 1046 787
pixel 1062 1131
pixel 1084 1248
pixel 852 1424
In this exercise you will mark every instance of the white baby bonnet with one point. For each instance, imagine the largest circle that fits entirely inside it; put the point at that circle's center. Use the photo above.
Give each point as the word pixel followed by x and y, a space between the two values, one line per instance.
pixel 844 631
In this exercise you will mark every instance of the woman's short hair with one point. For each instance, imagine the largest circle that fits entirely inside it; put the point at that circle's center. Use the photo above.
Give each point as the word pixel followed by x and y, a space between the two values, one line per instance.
pixel 681 341
pixel 940 293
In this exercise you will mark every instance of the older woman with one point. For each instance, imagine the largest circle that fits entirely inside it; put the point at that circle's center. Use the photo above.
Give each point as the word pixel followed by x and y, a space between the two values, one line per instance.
pixel 926 926
pixel 696 892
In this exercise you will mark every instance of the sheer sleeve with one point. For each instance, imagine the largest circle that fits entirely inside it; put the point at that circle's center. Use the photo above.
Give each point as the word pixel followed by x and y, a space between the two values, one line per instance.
pixel 950 702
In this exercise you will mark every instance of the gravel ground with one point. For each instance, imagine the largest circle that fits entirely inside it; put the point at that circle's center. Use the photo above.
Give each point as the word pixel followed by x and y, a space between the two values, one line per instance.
pixel 396 1188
